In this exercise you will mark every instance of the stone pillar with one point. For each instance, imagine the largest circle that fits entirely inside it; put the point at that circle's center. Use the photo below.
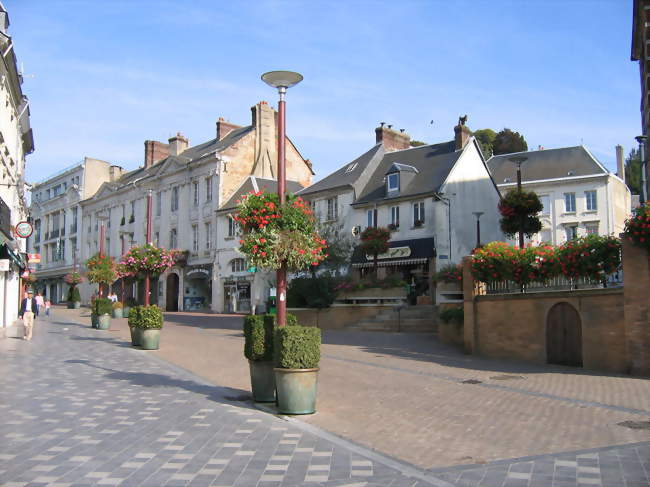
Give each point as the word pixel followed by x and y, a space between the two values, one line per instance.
pixel 636 301
pixel 470 330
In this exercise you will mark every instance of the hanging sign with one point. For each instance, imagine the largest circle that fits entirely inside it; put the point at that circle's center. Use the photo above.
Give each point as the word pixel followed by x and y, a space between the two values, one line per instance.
pixel 34 258
pixel 24 229
pixel 393 253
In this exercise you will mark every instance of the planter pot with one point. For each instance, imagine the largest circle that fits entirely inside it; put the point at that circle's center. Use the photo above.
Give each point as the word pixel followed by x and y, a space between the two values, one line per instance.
pixel 296 390
pixel 94 320
pixel 104 322
pixel 262 381
pixel 135 336
pixel 149 338
pixel 125 312
pixel 77 304
pixel 70 305
pixel 117 312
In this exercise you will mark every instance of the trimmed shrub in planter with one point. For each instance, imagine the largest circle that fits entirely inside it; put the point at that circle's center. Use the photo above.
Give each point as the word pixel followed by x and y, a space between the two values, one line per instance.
pixel 258 349
pixel 149 321
pixel 117 309
pixel 450 328
pixel 133 318
pixel 102 308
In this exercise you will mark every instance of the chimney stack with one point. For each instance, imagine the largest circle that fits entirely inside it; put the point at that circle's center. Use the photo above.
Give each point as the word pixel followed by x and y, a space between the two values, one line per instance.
pixel 178 144
pixel 224 128
pixel 462 133
pixel 620 162
pixel 154 152
pixel 392 140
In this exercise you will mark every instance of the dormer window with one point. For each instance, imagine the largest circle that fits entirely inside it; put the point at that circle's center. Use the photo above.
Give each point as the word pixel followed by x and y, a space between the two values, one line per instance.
pixel 393 182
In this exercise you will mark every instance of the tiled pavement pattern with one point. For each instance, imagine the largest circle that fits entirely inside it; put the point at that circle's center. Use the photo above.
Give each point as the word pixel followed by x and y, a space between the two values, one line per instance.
pixel 82 408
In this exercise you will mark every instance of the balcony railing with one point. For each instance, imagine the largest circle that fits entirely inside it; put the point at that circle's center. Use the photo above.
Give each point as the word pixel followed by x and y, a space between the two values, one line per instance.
pixel 559 283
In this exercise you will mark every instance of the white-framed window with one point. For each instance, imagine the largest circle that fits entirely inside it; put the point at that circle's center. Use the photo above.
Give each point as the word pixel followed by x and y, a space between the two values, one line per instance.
pixel 591 201
pixel 233 227
pixel 393 182
pixel 332 209
pixel 195 193
pixel 571 232
pixel 208 235
pixel 208 188
pixel 591 228
pixel 545 200
pixel 394 216
pixel 174 202
pixel 158 203
pixel 195 238
pixel 173 239
pixel 569 202
pixel 238 265
pixel 132 217
pixel 418 214
pixel 370 214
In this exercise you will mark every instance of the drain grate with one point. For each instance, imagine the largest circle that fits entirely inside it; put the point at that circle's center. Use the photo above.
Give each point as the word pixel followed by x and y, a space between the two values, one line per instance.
pixel 635 425
pixel 471 381
pixel 507 377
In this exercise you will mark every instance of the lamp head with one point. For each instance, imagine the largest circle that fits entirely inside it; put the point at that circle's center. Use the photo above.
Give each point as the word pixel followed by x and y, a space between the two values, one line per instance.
pixel 282 79
pixel 517 159
pixel 640 138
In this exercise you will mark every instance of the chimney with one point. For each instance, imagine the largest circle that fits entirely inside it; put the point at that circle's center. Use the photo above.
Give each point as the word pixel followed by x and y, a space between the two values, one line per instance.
pixel 392 140
pixel 620 162
pixel 462 133
pixel 263 120
pixel 154 152
pixel 178 144
pixel 115 173
pixel 224 128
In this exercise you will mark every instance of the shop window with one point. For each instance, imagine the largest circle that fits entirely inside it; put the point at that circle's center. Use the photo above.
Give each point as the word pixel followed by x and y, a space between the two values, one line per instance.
pixel 238 265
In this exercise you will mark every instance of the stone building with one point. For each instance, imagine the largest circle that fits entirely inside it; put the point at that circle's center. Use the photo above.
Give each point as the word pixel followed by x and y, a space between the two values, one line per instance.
pixel 56 214
pixel 16 142
pixel 189 185
pixel 641 54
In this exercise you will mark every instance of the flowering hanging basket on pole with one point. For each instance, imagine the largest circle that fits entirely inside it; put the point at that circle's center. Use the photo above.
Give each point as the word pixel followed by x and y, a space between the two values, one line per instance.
pixel 73 279
pixel 519 211
pixel 274 233
pixel 101 269
pixel 374 241
pixel 637 228
pixel 146 259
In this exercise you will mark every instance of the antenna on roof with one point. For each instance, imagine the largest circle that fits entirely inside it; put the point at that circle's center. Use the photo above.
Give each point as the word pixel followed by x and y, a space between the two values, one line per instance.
pixel 382 124
pixel 431 122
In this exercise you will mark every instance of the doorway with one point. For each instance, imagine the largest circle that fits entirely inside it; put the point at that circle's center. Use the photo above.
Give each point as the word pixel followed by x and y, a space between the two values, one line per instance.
pixel 564 336
pixel 172 293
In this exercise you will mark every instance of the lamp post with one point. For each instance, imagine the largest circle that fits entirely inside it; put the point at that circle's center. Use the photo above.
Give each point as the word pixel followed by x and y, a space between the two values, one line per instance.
pixel 147 279
pixel 281 80
pixel 641 139
pixel 519 160
pixel 478 214
pixel 102 237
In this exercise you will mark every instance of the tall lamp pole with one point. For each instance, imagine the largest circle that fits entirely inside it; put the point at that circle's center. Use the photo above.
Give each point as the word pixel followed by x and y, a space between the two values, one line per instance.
pixel 282 80
pixel 478 214
pixel 147 279
pixel 102 238
pixel 641 139
pixel 519 160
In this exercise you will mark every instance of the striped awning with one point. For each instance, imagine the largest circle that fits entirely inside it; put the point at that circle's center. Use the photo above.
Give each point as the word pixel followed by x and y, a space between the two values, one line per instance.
pixel 401 252
pixel 386 263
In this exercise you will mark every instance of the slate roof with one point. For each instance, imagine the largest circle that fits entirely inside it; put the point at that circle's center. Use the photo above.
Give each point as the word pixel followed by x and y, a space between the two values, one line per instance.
pixel 343 177
pixel 267 185
pixel 545 164
pixel 433 163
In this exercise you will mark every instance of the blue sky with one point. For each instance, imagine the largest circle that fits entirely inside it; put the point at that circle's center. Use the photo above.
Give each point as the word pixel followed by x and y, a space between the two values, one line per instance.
pixel 103 76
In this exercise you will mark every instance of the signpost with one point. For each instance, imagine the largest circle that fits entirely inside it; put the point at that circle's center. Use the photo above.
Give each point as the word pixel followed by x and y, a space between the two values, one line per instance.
pixel 24 229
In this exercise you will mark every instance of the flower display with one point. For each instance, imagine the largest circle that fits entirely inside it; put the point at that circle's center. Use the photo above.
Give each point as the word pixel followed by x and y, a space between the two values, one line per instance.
pixel 101 269
pixel 450 274
pixel 73 278
pixel 274 233
pixel 591 256
pixel 519 211
pixel 146 259
pixel 637 228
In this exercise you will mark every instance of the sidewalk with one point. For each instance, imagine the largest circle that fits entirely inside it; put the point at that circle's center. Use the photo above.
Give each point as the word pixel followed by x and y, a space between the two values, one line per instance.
pixel 81 407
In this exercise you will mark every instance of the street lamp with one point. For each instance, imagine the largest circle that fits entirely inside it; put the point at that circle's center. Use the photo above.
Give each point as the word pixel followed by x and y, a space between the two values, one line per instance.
pixel 478 214
pixel 282 80
pixel 102 237
pixel 641 139
pixel 519 160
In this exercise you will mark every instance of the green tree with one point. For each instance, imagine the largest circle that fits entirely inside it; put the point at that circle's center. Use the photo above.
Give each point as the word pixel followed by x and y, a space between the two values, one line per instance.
pixel 417 143
pixel 633 171
pixel 507 141
pixel 486 138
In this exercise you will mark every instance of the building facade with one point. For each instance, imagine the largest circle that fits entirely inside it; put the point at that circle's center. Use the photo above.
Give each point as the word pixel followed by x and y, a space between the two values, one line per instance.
pixel 16 142
pixel 641 54
pixel 580 196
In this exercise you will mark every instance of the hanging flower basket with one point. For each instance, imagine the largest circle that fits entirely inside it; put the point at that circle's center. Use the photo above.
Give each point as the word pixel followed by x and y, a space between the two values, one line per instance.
pixel 146 259
pixel 101 269
pixel 180 256
pixel 275 233
pixel 519 211
pixel 73 278
pixel 637 228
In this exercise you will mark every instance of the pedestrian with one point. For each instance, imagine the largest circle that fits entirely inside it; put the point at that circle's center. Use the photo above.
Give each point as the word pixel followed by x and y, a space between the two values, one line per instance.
pixel 47 307
pixel 39 301
pixel 28 310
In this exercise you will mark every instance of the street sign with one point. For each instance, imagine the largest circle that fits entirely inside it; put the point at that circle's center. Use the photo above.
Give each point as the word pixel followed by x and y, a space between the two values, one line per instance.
pixel 24 229
pixel 4 265
pixel 34 258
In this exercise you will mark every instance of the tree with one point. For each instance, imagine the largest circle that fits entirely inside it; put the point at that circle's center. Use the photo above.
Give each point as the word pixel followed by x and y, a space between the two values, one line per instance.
pixel 486 138
pixel 519 211
pixel 633 171
pixel 374 241
pixel 417 143
pixel 508 141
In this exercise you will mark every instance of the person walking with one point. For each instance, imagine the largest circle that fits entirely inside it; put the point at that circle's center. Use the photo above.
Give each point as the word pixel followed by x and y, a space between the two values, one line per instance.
pixel 28 311
pixel 39 301
pixel 47 307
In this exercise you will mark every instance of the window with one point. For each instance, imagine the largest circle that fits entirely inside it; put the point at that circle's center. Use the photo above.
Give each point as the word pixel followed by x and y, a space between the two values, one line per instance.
pixel 545 236
pixel 418 214
pixel 332 209
pixel 393 182
pixel 132 217
pixel 173 239
pixel 233 227
pixel 208 188
pixel 195 193
pixel 238 265
pixel 571 232
pixel 569 202
pixel 592 203
pixel 394 216
pixel 75 217
pixel 195 238
pixel 371 218
pixel 158 203
pixel 208 235
pixel 591 228
pixel 546 204
pixel 174 203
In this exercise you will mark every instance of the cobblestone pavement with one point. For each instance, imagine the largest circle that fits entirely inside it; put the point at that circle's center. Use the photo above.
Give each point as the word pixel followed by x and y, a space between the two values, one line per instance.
pixel 81 407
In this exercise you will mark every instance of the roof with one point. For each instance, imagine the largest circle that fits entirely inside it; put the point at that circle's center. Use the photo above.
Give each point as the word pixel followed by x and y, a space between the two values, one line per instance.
pixel 397 167
pixel 252 183
pixel 433 163
pixel 346 175
pixel 545 164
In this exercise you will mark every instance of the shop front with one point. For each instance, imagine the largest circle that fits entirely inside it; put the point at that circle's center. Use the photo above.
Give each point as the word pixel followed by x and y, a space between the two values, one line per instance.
pixel 237 295
pixel 197 284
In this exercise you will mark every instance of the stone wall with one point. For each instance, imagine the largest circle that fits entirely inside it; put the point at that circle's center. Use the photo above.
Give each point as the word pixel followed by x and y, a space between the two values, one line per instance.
pixel 335 317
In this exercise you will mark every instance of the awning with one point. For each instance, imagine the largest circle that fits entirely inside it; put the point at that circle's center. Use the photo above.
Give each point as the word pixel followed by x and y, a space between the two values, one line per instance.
pixel 15 257
pixel 401 252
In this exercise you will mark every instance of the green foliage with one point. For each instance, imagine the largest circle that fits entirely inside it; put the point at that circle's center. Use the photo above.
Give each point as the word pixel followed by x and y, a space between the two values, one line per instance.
pixel 122 221
pixel 312 292
pixel 73 294
pixel 592 256
pixel 132 218
pixel 519 211
pixel 102 306
pixel 633 171
pixel 637 228
pixel 374 241
pixel 134 316
pixel 272 320
pixel 144 259
pixel 146 317
pixel 73 278
pixel 507 141
pixel 451 273
pixel 297 347
pixel 258 338
pixel 417 143
pixel 130 302
pixel 485 138
pixel 101 269
pixel 339 248
pixel 454 315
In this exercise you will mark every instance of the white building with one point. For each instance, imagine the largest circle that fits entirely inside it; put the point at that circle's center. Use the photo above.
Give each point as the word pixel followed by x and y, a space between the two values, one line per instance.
pixel 16 141
pixel 580 196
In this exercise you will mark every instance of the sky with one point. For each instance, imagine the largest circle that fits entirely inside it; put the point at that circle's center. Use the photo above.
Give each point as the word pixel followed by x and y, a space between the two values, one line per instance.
pixel 104 76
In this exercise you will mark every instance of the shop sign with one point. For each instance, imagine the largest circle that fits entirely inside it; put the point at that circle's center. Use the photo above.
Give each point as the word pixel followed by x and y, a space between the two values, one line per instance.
pixel 243 285
pixel 24 229
pixel 197 271
pixel 394 253
pixel 34 258
pixel 4 265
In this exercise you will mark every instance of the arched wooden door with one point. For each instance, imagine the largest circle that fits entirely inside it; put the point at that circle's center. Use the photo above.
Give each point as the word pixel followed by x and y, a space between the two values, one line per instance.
pixel 172 293
pixel 564 336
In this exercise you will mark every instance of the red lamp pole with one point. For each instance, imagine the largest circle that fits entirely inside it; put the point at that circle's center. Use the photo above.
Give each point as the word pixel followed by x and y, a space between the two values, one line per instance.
pixel 102 236
pixel 147 280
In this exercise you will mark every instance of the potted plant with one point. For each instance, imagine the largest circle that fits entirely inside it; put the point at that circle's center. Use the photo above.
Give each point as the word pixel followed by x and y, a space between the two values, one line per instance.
pixel 74 298
pixel 297 355
pixel 102 270
pixel 258 349
pixel 128 306
pixel 149 321
pixel 103 308
pixel 117 309
pixel 134 317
